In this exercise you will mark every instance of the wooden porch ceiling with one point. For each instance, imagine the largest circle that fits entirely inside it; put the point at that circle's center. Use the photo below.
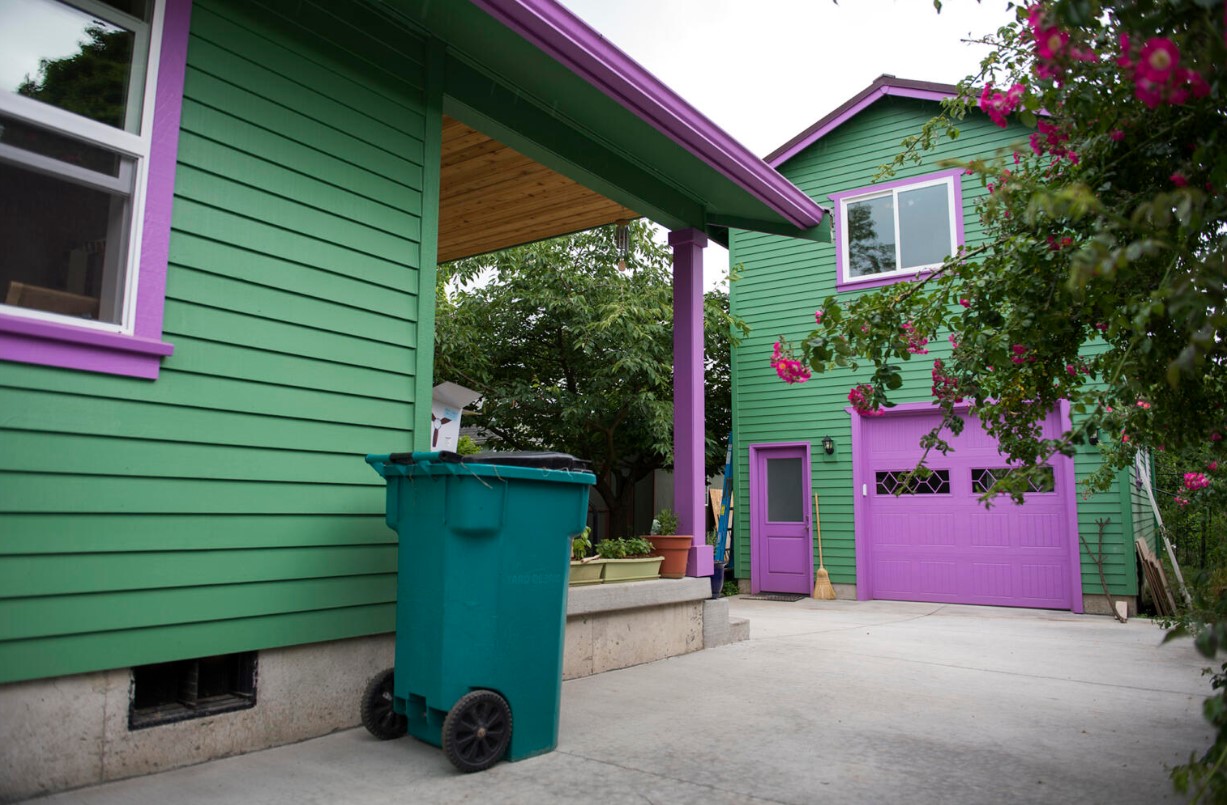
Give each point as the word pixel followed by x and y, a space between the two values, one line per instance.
pixel 491 197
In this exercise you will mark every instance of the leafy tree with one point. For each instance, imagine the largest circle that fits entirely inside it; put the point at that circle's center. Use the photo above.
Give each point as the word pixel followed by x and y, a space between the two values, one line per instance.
pixel 572 353
pixel 1103 276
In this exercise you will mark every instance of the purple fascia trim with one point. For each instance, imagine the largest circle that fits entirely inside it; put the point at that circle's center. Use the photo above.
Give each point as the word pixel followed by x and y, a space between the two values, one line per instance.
pixel 758 559
pixel 689 478
pixel 140 354
pixel 568 40
pixel 1063 475
pixel 881 88
pixel 842 284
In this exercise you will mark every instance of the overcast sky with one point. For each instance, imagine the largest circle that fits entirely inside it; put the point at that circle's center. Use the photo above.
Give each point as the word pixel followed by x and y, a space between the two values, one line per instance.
pixel 763 70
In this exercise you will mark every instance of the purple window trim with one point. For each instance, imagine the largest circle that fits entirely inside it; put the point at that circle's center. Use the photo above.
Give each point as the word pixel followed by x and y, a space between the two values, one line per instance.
pixel 1063 470
pixel 789 150
pixel 140 354
pixel 842 284
pixel 567 39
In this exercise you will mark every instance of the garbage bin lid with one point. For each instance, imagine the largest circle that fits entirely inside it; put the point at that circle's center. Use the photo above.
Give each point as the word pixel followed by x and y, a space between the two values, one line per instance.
pixel 539 459
pixel 536 459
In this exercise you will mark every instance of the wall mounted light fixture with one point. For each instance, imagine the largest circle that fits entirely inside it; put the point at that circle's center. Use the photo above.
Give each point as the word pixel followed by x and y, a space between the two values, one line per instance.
pixel 828 445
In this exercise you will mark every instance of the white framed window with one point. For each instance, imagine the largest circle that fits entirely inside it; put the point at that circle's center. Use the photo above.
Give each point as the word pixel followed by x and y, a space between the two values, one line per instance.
pixel 897 230
pixel 76 129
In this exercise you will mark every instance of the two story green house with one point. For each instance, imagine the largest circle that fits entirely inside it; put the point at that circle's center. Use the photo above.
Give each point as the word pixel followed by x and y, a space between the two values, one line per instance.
pixel 934 542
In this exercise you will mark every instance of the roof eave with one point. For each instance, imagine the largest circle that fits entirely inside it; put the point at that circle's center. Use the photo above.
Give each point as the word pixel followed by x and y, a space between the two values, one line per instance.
pixel 571 42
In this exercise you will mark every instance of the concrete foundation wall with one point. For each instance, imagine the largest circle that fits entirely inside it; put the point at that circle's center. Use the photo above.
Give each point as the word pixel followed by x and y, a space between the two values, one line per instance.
pixel 71 731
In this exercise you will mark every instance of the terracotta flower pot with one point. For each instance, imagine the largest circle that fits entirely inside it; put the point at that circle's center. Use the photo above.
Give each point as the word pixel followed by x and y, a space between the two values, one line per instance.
pixel 675 548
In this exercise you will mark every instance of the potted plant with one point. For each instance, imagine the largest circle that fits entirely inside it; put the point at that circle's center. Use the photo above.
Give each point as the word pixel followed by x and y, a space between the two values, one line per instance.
pixel 585 569
pixel 628 559
pixel 666 542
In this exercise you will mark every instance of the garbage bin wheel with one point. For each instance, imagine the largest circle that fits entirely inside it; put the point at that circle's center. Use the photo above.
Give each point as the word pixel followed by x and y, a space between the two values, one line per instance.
pixel 477 731
pixel 378 716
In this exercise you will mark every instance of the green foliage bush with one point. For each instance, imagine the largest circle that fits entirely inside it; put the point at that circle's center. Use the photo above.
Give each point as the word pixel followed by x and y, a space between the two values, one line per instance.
pixel 624 548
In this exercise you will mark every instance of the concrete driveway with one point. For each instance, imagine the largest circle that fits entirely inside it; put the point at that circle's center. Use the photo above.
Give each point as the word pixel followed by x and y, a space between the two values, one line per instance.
pixel 835 700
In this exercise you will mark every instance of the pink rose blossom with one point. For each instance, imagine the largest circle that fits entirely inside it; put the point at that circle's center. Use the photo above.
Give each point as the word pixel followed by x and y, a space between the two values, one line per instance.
pixel 1212 466
pixel 1195 480
pixel 1117 135
pixel 1158 59
pixel 1178 179
pixel 818 315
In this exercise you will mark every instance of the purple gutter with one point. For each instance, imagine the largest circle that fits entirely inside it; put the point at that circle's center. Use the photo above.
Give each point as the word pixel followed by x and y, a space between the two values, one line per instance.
pixel 568 40
pixel 883 86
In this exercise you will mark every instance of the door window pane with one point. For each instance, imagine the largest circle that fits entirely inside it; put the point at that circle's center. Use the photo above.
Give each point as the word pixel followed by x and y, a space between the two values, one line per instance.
pixel 68 58
pixel 871 236
pixel 924 225
pixel 785 499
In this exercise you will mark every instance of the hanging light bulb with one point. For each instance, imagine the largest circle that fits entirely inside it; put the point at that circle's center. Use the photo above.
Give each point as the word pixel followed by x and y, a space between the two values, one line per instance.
pixel 622 240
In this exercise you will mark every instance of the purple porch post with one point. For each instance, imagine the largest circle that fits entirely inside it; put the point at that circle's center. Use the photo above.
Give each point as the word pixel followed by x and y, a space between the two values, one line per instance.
pixel 689 478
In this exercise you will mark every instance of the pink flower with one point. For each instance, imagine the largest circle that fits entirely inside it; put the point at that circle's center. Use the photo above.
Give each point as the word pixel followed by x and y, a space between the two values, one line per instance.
pixel 1158 59
pixel 953 341
pixel 1049 43
pixel 861 397
pixel 965 302
pixel 1124 60
pixel 1178 179
pixel 789 369
pixel 1148 92
pixel 1018 349
pixel 1212 466
pixel 1195 480
pixel 818 315
pixel 1143 405
pixel 997 105
pixel 1180 501
pixel 1117 135
pixel 1216 437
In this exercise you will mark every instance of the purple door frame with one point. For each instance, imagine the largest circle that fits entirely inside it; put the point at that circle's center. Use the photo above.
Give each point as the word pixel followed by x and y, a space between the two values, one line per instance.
pixel 1063 468
pixel 759 565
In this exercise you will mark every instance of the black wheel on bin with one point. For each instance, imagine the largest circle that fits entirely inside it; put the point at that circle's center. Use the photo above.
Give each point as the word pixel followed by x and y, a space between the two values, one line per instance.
pixel 378 716
pixel 477 730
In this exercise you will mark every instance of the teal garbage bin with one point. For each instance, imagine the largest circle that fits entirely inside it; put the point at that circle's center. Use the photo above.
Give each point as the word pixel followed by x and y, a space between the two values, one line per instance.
pixel 483 564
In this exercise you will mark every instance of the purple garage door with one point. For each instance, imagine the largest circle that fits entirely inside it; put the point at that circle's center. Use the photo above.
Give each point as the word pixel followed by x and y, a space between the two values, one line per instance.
pixel 937 542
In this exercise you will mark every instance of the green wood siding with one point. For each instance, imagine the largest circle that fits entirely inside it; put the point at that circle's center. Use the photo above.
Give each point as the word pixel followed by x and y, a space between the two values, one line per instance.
pixel 783 281
pixel 226 506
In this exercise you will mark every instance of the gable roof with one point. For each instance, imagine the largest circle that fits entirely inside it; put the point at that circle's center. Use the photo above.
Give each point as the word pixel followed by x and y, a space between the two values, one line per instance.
pixel 883 86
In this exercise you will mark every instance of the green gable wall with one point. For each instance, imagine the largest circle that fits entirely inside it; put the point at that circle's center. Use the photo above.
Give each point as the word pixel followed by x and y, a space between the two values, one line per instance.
pixel 226 505
pixel 783 281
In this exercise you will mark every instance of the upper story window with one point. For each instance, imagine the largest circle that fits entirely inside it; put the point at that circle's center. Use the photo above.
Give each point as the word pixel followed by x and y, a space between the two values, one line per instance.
pixel 85 185
pixel 72 150
pixel 896 230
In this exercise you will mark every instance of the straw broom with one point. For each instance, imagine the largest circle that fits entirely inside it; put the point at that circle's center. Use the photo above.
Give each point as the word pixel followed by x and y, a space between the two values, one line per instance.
pixel 823 590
